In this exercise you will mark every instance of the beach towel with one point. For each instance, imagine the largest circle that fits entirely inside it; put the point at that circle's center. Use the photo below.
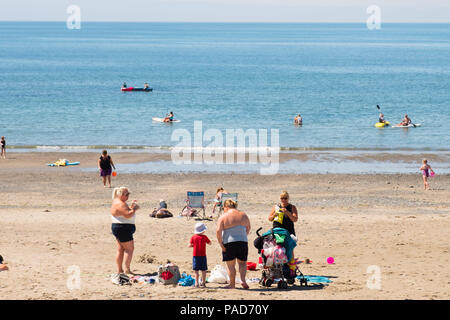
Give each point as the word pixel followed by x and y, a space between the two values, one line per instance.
pixel 316 279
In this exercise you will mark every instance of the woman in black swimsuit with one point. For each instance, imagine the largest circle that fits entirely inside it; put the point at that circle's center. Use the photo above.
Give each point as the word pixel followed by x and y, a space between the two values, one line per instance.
pixel 104 165
pixel 3 142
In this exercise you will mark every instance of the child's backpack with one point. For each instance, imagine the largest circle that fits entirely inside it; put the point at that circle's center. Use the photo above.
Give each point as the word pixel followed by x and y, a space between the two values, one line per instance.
pixel 169 274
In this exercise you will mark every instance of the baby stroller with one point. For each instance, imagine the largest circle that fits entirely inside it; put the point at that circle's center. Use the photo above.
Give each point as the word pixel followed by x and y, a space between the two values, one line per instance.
pixel 275 248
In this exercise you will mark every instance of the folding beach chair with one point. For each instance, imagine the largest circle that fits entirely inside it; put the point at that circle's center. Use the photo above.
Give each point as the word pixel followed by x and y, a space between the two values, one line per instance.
pixel 195 200
pixel 226 196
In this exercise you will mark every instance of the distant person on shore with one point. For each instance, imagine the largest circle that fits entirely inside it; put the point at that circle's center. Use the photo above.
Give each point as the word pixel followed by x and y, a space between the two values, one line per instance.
pixel 298 120
pixel 199 263
pixel 426 169
pixel 123 226
pixel 406 121
pixel 284 215
pixel 232 230
pixel 169 117
pixel 3 142
pixel 105 165
pixel 3 267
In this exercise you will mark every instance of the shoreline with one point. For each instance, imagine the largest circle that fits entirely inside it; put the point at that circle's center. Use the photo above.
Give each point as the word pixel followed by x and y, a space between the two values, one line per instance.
pixel 285 163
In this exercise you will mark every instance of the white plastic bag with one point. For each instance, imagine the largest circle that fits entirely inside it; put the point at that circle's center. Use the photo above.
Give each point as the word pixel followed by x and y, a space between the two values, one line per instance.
pixel 219 275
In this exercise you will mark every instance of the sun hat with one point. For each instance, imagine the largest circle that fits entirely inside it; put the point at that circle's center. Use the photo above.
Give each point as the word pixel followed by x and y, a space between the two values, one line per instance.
pixel 199 228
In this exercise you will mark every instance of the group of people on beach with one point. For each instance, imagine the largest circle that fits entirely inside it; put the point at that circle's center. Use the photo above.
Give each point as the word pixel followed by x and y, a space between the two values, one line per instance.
pixel 232 231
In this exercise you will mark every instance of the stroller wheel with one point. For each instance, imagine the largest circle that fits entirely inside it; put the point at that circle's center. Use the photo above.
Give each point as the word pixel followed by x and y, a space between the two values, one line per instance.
pixel 282 285
pixel 291 280
pixel 269 282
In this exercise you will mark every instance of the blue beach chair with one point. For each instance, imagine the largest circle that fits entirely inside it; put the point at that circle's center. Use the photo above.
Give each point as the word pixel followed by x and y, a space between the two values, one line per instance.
pixel 196 200
pixel 226 196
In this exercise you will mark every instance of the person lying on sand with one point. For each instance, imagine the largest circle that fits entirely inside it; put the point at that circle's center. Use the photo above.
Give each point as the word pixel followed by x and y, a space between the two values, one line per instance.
pixel 3 267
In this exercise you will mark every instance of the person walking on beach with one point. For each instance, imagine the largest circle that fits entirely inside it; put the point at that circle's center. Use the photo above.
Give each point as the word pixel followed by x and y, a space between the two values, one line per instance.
pixel 123 226
pixel 284 215
pixel 232 230
pixel 199 263
pixel 3 142
pixel 104 165
pixel 426 168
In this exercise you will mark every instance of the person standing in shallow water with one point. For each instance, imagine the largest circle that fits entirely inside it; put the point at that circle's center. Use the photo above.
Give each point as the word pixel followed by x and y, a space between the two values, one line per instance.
pixel 3 142
pixel 105 165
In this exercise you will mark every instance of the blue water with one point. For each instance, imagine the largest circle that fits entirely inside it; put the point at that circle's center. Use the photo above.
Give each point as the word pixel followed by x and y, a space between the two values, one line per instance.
pixel 61 87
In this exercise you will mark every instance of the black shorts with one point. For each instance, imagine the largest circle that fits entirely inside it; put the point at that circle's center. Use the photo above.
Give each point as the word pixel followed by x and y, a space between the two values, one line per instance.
pixel 238 249
pixel 123 231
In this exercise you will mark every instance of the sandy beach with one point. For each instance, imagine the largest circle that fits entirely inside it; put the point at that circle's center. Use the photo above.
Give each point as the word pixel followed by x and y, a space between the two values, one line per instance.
pixel 55 218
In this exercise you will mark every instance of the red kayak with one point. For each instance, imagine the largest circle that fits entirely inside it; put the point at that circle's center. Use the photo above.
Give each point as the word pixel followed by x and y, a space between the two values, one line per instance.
pixel 136 89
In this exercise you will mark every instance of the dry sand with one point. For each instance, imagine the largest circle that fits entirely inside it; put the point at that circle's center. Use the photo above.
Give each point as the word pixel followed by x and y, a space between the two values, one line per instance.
pixel 54 218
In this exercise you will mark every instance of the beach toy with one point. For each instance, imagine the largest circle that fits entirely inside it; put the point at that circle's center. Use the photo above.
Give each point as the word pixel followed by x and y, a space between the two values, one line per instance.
pixel 330 260
pixel 432 174
pixel 114 173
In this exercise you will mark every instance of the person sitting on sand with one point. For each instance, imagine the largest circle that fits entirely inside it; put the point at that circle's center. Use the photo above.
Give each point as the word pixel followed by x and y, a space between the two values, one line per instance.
pixel 169 117
pixel 162 211
pixel 298 120
pixel 218 198
pixel 104 165
pixel 3 267
pixel 123 226
pixel 406 121
pixel 426 168
pixel 232 230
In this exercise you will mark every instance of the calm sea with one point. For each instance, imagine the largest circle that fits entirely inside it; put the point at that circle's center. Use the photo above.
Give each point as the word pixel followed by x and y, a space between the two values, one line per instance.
pixel 61 87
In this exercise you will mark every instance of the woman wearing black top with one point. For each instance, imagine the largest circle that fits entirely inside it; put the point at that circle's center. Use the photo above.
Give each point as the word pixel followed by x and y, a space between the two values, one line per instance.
pixel 284 215
pixel 3 142
pixel 104 165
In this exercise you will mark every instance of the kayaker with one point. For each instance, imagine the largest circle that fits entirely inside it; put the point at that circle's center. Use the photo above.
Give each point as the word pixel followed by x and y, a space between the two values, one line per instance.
pixel 381 118
pixel 298 120
pixel 406 121
pixel 169 117
pixel 124 85
pixel 146 86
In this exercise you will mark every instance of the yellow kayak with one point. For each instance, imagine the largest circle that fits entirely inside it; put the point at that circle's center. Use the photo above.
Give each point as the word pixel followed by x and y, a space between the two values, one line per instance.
pixel 381 124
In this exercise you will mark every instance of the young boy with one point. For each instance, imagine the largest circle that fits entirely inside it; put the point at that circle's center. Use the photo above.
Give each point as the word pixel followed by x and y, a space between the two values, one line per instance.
pixel 198 242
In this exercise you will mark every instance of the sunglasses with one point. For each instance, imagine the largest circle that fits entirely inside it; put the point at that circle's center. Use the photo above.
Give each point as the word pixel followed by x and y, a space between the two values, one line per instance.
pixel 284 198
pixel 126 194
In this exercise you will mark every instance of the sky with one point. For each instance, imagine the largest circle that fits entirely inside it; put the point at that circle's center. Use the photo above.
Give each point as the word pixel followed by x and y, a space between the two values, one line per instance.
pixel 227 10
